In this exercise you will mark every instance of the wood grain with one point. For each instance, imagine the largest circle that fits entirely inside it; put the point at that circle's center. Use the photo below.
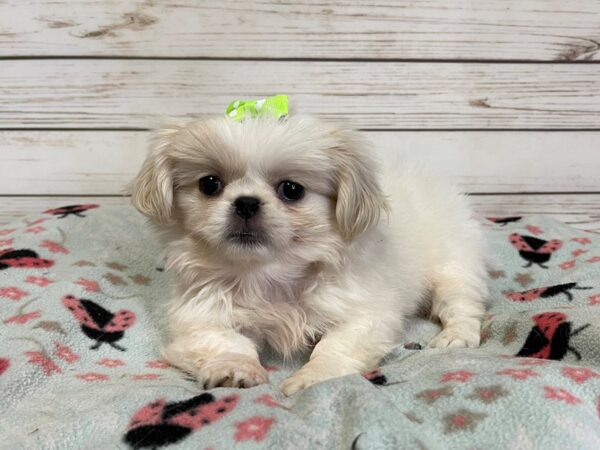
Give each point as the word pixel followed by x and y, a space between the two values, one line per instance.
pixel 134 93
pixel 101 163
pixel 69 163
pixel 579 210
pixel 543 30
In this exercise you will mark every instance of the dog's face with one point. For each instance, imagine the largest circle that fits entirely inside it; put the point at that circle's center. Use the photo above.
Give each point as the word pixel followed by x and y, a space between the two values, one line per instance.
pixel 260 189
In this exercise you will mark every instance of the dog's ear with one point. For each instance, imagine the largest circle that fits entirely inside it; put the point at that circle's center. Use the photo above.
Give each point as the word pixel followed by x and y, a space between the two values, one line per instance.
pixel 152 189
pixel 360 200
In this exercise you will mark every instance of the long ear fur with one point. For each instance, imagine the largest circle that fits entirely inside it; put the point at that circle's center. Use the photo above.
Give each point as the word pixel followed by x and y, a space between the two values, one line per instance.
pixel 152 189
pixel 360 200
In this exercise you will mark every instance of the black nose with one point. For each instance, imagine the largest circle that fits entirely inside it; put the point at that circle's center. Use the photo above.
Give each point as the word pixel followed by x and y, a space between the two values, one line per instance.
pixel 246 207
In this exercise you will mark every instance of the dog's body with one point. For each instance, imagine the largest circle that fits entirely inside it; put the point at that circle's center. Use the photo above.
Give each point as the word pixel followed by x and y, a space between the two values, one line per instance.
pixel 342 266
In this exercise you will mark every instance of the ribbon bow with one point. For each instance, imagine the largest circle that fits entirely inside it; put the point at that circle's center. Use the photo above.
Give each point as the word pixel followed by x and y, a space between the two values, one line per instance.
pixel 276 106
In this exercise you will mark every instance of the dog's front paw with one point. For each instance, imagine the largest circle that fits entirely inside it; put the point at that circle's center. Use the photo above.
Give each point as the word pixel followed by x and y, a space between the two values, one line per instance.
pixel 316 371
pixel 300 380
pixel 458 337
pixel 231 370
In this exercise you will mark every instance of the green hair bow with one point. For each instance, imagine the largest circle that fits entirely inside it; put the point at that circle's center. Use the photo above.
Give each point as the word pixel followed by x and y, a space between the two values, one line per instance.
pixel 276 106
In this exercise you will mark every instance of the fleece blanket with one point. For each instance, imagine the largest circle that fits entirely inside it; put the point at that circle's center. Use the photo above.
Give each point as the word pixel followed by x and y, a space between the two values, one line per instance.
pixel 79 367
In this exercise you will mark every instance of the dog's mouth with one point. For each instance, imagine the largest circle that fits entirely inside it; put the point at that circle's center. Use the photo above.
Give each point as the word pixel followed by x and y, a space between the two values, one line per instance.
pixel 247 238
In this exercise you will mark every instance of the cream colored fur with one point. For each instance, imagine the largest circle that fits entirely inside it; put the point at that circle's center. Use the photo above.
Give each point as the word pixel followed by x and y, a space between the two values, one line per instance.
pixel 343 268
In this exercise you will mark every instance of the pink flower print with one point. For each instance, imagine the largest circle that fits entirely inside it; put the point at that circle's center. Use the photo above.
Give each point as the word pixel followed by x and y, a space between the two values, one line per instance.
pixel 582 240
pixel 534 230
pixel 4 365
pixel 533 362
pixel 524 279
pixel 460 375
pixel 39 359
pixel 268 400
pixel 495 274
pixel 108 362
pixel 140 279
pixel 88 285
pixel 93 376
pixel 157 364
pixel 35 230
pixel 567 265
pixel 84 263
pixel 6 231
pixel 431 396
pixel 38 221
pixel 6 242
pixel 518 374
pixel 488 394
pixel 463 419
pixel 65 353
pixel 594 259
pixel 40 281
pixel 50 326
pixel 578 252
pixel 594 299
pixel 116 266
pixel 459 421
pixel 579 374
pixel 23 318
pixel 115 280
pixel 255 428
pixel 561 394
pixel 13 293
pixel 145 376
pixel 54 247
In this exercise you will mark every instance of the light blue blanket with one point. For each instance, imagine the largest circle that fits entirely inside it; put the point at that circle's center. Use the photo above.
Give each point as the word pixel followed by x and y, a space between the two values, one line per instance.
pixel 79 366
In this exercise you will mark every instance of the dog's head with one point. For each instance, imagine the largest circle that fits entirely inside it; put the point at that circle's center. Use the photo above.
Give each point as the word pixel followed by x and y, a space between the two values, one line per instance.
pixel 261 188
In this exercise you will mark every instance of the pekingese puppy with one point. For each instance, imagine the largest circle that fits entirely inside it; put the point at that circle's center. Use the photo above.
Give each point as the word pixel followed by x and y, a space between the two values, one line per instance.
pixel 286 233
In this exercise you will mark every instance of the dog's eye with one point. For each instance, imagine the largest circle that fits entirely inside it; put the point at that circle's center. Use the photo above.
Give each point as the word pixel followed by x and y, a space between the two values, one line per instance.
pixel 290 191
pixel 210 185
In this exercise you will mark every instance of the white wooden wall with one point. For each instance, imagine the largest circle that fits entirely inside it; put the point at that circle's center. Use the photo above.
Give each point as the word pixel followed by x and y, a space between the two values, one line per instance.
pixel 503 95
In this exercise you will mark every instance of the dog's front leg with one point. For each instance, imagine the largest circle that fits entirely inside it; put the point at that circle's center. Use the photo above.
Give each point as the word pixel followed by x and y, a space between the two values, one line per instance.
pixel 215 356
pixel 353 347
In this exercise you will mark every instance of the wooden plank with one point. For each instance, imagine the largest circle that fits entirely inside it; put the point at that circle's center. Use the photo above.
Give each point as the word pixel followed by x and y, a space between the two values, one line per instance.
pixel 499 161
pixel 133 93
pixel 71 163
pixel 546 30
pixel 579 210
pixel 101 163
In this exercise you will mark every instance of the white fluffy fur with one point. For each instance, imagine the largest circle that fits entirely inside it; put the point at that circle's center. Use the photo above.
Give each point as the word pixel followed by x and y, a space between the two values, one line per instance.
pixel 343 268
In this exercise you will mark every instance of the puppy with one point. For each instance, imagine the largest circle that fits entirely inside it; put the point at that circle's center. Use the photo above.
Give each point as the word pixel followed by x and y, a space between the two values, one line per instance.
pixel 286 234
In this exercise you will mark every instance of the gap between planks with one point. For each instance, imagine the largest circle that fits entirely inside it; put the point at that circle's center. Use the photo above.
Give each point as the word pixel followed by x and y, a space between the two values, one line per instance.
pixel 291 59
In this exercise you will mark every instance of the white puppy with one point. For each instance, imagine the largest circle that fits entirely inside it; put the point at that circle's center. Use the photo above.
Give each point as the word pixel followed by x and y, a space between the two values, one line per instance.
pixel 286 234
